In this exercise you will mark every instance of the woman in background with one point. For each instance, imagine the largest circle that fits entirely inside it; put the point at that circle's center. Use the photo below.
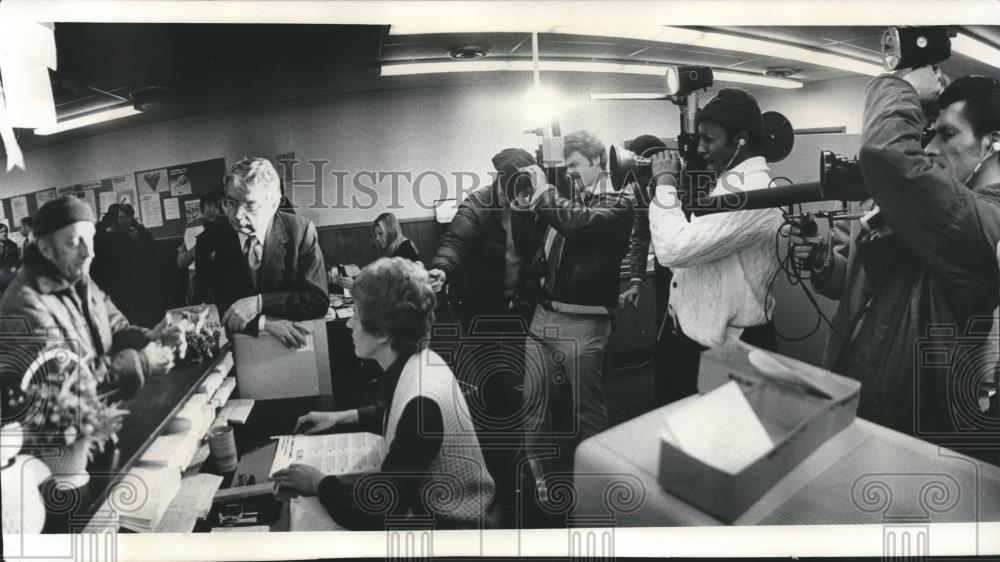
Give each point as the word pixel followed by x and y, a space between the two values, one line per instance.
pixel 432 459
pixel 390 243
pixel 211 213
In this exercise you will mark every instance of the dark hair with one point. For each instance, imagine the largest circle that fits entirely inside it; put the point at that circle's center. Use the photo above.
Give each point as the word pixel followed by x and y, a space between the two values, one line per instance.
pixel 394 299
pixel 981 95
pixel 127 209
pixel 3 227
pixel 588 145
pixel 28 221
pixel 213 197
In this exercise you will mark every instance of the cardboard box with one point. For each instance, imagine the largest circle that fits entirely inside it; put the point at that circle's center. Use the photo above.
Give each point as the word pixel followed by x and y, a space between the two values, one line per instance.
pixel 800 406
pixel 267 370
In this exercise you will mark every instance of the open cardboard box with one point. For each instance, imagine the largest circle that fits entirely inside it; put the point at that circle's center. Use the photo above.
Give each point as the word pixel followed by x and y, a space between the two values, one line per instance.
pixel 800 406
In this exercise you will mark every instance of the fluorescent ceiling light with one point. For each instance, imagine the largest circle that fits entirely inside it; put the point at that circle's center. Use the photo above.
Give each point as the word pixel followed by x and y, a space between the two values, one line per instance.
pixel 448 67
pixel 89 119
pixel 594 97
pixel 976 49
pixel 666 34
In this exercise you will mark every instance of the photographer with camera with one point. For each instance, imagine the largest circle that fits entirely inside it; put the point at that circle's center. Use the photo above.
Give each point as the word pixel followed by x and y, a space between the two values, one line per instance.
pixel 721 263
pixel 584 241
pixel 926 257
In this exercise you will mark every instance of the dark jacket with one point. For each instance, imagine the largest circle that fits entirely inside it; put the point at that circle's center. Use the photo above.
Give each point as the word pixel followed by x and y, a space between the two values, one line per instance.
pixel 473 254
pixel 596 228
pixel 291 280
pixel 10 262
pixel 930 287
pixel 43 306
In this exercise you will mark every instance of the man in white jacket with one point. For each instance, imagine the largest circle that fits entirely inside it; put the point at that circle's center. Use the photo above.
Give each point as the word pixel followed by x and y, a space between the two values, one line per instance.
pixel 723 263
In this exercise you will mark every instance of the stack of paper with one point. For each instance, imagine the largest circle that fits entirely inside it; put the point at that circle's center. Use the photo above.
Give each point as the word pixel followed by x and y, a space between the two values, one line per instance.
pixel 719 429
pixel 346 312
pixel 224 391
pixel 337 454
pixel 157 486
pixel 212 382
pixel 193 502
pixel 235 411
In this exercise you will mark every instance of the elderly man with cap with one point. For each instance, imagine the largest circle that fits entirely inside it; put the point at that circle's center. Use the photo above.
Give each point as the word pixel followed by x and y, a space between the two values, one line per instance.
pixel 722 263
pixel 264 266
pixel 54 297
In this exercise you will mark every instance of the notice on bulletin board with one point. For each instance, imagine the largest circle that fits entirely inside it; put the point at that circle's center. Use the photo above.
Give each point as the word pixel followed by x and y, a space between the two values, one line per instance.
pixel 180 184
pixel 107 198
pixel 152 214
pixel 151 182
pixel 124 190
pixel 171 210
pixel 18 209
pixel 192 209
pixel 43 197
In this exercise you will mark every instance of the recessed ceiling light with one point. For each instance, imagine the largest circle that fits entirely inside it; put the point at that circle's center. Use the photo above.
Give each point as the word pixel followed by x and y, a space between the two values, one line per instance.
pixel 468 52
pixel 780 71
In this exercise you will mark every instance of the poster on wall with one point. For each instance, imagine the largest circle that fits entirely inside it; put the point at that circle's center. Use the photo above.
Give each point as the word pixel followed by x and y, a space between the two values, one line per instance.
pixel 18 209
pixel 192 210
pixel 124 190
pixel 171 210
pixel 68 190
pixel 43 197
pixel 88 196
pixel 152 214
pixel 151 182
pixel 180 184
pixel 107 198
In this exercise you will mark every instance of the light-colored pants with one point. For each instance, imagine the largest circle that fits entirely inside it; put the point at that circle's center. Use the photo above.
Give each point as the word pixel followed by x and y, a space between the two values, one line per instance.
pixel 564 348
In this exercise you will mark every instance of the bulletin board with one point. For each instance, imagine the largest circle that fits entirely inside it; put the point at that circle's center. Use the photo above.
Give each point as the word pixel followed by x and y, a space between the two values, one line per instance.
pixel 168 198
pixel 165 199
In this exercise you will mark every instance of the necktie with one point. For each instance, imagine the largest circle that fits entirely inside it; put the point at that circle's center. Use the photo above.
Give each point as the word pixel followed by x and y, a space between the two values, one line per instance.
pixel 253 251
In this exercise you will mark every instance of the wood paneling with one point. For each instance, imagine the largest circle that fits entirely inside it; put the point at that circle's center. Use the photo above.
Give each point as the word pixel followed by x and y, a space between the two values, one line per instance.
pixel 353 243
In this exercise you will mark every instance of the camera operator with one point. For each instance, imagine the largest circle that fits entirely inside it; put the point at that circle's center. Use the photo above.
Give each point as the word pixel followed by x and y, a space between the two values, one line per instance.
pixel 584 242
pixel 722 263
pixel 929 255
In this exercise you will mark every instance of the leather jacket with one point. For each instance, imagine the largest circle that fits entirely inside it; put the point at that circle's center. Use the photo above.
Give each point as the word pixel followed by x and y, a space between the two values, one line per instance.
pixel 596 228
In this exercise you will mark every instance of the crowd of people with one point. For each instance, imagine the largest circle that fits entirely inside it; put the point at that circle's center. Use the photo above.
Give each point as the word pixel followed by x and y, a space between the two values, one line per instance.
pixel 549 259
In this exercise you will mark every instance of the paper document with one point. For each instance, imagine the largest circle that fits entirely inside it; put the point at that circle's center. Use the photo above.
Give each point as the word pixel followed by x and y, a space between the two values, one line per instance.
pixel 193 502
pixel 720 429
pixel 308 514
pixel 236 410
pixel 341 453
pixel 161 485
pixel 250 529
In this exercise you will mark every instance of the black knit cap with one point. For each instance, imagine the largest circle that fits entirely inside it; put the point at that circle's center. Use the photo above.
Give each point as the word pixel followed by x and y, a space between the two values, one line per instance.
pixel 647 145
pixel 510 160
pixel 60 212
pixel 735 108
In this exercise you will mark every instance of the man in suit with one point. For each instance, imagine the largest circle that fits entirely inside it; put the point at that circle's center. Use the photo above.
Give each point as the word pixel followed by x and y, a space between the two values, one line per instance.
pixel 264 266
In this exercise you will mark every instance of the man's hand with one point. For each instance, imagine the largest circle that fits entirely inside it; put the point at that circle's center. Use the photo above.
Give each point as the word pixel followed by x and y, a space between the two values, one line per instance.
pixel 292 334
pixel 928 81
pixel 319 422
pixel 667 165
pixel 300 478
pixel 438 279
pixel 537 174
pixel 804 249
pixel 159 358
pixel 345 281
pixel 629 298
pixel 241 313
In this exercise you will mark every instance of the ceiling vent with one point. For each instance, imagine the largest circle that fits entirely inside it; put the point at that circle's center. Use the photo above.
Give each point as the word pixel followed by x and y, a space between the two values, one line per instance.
pixel 468 53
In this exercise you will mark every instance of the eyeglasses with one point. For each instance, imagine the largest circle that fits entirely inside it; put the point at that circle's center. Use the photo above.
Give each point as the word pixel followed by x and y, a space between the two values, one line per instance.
pixel 234 205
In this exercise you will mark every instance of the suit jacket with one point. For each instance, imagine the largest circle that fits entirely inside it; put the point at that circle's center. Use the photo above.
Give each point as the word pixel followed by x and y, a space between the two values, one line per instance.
pixel 291 279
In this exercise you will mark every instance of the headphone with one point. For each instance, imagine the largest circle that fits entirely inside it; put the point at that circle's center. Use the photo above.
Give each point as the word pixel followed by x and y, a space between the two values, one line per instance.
pixel 743 142
pixel 994 148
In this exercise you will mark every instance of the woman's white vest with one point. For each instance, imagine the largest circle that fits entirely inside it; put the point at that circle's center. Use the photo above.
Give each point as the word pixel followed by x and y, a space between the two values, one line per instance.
pixel 458 490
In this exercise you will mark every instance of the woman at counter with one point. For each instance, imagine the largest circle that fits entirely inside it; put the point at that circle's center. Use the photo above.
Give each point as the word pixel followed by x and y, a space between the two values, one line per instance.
pixel 390 243
pixel 433 463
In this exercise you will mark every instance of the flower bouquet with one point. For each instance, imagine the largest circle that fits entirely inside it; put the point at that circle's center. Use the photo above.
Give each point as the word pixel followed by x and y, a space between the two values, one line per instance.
pixel 65 411
pixel 194 337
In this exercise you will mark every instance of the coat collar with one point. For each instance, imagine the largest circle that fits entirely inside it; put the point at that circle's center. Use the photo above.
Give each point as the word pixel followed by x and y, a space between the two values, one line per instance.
pixel 46 278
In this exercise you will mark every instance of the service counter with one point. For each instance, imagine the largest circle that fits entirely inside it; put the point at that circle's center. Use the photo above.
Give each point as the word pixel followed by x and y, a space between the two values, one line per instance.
pixel 150 412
